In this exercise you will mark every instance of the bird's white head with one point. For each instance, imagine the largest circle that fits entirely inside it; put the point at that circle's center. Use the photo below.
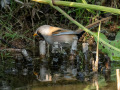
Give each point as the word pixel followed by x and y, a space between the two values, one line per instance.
pixel 43 30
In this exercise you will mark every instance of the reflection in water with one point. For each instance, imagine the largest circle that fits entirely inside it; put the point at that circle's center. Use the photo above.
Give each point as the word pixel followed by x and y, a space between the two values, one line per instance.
pixel 44 73
pixel 95 81
pixel 107 76
pixel 54 70
pixel 5 86
pixel 118 78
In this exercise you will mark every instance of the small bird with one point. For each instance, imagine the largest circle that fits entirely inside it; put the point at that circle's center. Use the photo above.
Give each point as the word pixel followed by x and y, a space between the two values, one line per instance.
pixel 55 34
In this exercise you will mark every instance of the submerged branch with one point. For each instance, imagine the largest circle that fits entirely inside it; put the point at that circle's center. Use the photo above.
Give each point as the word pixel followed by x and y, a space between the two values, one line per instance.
pixel 22 51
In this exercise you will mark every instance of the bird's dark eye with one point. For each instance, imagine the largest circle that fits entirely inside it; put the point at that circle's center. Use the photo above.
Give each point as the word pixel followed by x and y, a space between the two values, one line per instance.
pixel 40 35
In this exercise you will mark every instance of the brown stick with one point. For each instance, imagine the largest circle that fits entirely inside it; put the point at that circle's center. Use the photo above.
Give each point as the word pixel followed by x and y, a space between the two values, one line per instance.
pixel 95 24
pixel 11 50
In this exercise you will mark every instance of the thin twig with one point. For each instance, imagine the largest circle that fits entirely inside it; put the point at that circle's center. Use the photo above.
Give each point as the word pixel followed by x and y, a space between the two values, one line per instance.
pixel 97 53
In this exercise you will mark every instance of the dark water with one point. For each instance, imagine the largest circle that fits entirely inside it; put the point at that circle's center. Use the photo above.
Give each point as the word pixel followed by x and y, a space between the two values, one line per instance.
pixel 56 74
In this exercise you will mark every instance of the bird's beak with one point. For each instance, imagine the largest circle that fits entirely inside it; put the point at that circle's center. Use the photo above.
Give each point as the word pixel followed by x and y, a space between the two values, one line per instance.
pixel 35 34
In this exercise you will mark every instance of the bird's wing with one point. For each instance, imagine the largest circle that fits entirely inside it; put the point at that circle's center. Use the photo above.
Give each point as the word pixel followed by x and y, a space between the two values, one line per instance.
pixel 63 32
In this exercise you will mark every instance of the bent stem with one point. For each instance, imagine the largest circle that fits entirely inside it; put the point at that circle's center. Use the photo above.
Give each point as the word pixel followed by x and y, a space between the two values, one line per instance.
pixel 80 5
